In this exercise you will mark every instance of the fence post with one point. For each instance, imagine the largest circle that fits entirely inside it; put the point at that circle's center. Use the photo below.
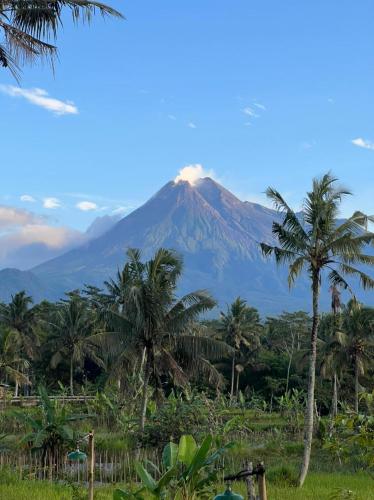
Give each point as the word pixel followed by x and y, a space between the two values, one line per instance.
pixel 91 471
pixel 261 481
pixel 249 482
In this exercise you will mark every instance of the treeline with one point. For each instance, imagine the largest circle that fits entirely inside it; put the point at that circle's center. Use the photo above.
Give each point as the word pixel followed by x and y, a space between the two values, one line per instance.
pixel 93 339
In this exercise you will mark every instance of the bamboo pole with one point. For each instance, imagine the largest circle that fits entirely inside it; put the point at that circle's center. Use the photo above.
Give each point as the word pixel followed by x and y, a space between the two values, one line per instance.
pixel 91 472
pixel 261 482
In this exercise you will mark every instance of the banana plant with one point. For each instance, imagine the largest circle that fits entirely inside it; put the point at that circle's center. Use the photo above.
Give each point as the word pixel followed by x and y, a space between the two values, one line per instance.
pixel 188 472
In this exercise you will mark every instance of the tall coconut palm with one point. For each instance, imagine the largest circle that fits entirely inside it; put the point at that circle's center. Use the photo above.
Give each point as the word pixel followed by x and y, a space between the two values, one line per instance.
pixel 153 325
pixel 71 338
pixel 316 241
pixel 27 26
pixel 359 327
pixel 334 359
pixel 19 319
pixel 12 367
pixel 239 325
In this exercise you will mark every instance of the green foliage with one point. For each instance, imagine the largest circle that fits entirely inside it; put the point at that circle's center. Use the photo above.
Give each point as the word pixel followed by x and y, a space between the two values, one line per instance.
pixel 282 476
pixel 179 415
pixel 188 472
pixel 351 439
pixel 50 429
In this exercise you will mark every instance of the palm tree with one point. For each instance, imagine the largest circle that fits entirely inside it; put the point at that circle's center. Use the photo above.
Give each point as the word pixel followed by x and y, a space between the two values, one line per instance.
pixel 317 242
pixel 72 336
pixel 19 319
pixel 150 324
pixel 28 26
pixel 334 358
pixel 359 327
pixel 12 367
pixel 239 325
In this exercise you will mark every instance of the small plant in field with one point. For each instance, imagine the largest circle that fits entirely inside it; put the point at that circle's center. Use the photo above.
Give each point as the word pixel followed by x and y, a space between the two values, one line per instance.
pixel 292 406
pixel 342 494
pixel 49 429
pixel 352 440
pixel 188 472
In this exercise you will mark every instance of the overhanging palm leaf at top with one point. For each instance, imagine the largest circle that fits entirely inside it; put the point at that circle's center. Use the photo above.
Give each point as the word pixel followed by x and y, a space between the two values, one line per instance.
pixel 314 240
pixel 29 25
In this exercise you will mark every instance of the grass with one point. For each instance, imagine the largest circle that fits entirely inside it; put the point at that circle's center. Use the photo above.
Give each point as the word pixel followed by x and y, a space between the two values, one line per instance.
pixel 318 486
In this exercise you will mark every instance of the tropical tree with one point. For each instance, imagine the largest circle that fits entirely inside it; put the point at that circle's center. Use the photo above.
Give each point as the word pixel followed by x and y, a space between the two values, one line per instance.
pixel 240 327
pixel 333 350
pixel 49 430
pixel 333 358
pixel 317 242
pixel 12 367
pixel 71 336
pixel 19 320
pixel 359 341
pixel 287 334
pixel 27 26
pixel 151 324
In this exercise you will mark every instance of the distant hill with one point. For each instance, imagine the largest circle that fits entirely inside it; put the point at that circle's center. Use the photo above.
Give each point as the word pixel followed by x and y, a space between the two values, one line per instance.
pixel 217 234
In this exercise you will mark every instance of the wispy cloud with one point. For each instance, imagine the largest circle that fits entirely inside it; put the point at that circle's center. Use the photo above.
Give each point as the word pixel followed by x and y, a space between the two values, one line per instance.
pixel 27 198
pixel 191 125
pixel 363 143
pixel 51 203
pixel 14 217
pixel 122 210
pixel 172 117
pixel 40 97
pixel 259 106
pixel 86 206
pixel 250 112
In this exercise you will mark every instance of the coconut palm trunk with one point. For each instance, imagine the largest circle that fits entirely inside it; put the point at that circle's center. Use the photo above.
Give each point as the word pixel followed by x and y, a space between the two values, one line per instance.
pixel 309 413
pixel 71 377
pixel 232 377
pixel 144 402
pixel 357 385
pixel 334 395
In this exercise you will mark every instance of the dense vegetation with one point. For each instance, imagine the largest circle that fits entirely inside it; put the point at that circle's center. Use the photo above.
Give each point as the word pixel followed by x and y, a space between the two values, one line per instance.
pixel 236 388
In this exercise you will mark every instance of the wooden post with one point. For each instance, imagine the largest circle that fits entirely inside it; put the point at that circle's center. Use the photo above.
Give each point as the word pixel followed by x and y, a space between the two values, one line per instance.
pixel 249 482
pixel 261 481
pixel 91 465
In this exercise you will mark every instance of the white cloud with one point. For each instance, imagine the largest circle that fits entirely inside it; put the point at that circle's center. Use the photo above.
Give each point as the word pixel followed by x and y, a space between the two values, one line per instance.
pixel 28 198
pixel 191 125
pixel 14 217
pixel 51 203
pixel 363 143
pixel 259 106
pixel 26 239
pixel 250 112
pixel 86 206
pixel 40 97
pixel 192 173
pixel 172 117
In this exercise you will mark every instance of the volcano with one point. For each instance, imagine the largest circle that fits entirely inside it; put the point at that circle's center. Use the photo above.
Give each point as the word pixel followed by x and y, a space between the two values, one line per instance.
pixel 217 234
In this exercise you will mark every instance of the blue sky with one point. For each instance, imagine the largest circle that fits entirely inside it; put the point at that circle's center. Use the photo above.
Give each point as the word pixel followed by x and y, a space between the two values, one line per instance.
pixel 261 92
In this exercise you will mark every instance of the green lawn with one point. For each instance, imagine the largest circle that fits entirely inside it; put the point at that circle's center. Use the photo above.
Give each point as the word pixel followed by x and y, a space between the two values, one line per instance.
pixel 318 486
